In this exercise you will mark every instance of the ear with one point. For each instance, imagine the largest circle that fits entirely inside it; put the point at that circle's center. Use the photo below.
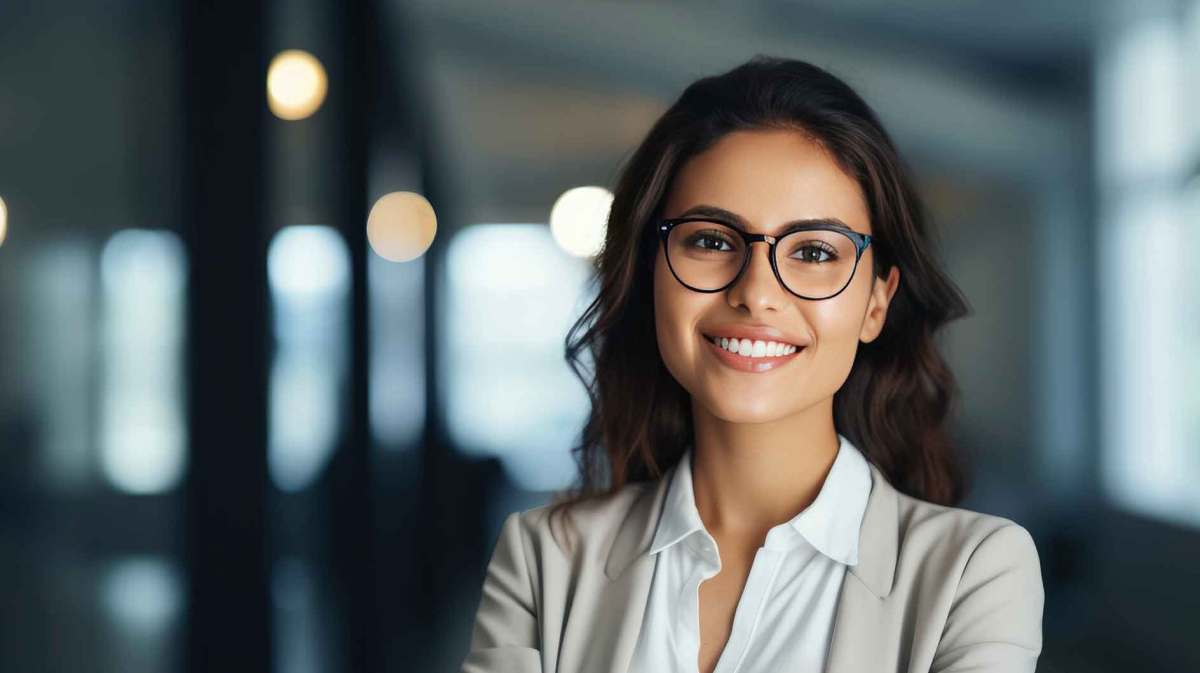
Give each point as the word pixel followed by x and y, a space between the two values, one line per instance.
pixel 877 306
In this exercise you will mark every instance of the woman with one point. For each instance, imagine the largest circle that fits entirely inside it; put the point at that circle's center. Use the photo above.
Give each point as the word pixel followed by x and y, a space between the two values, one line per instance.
pixel 766 482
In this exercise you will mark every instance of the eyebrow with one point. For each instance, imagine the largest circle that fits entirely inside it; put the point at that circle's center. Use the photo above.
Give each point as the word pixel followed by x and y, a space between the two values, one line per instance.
pixel 705 210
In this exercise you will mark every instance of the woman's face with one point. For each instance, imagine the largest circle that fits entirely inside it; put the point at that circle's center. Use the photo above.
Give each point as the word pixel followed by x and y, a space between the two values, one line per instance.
pixel 768 178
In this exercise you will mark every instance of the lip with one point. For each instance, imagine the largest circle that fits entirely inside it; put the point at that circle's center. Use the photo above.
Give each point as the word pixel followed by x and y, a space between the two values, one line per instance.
pixel 748 364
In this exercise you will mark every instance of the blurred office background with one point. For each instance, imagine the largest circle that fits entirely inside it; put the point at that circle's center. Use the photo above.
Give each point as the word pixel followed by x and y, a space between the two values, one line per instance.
pixel 240 429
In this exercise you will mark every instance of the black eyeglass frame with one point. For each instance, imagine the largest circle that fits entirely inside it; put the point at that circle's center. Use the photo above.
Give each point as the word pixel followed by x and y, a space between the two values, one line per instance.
pixel 861 241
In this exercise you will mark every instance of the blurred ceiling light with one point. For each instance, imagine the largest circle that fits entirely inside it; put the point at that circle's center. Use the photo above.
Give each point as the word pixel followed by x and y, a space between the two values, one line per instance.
pixel 3 221
pixel 579 219
pixel 296 84
pixel 401 226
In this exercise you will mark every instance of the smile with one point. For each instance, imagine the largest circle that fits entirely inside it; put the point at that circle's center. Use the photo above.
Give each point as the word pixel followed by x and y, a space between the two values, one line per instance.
pixel 754 356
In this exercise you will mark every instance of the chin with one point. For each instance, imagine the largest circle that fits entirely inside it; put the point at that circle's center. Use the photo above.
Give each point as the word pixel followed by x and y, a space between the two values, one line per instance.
pixel 763 412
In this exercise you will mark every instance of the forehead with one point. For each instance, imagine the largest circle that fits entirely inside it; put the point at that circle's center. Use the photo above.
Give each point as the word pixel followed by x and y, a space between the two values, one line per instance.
pixel 769 177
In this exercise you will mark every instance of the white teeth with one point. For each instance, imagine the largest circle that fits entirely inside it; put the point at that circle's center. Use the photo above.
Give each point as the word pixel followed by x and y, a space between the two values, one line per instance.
pixel 754 348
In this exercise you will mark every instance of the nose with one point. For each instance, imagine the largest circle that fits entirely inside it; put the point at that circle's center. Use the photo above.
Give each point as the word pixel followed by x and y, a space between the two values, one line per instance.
pixel 758 288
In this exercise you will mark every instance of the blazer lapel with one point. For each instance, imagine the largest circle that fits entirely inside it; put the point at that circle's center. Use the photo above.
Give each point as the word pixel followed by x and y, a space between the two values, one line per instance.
pixel 629 569
pixel 859 612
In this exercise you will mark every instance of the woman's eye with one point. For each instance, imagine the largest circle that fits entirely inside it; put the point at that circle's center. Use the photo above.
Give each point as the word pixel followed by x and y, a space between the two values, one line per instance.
pixel 813 253
pixel 709 242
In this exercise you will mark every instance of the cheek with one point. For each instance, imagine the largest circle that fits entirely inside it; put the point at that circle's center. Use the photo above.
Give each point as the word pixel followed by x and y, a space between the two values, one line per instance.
pixel 837 323
pixel 675 314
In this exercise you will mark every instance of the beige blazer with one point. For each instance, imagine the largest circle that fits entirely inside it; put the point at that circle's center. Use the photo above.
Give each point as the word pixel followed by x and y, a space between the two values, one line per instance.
pixel 936 589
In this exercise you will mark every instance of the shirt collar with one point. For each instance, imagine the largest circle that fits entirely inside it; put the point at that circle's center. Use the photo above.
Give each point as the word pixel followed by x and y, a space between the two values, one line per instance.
pixel 830 523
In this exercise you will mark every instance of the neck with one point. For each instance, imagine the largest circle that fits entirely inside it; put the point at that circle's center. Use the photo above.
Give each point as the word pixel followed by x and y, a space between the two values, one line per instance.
pixel 749 477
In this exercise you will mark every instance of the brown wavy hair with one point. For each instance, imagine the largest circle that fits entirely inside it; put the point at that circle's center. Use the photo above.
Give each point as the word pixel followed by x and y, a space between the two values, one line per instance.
pixel 896 399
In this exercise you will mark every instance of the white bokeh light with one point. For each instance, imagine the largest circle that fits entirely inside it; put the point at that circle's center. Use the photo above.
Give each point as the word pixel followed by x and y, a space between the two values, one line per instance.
pixel 142 274
pixel 579 219
pixel 308 268
pixel 142 594
pixel 308 261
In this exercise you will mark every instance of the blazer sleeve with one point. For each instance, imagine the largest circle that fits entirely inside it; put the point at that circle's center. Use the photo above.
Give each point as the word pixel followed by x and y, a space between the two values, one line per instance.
pixel 995 619
pixel 504 637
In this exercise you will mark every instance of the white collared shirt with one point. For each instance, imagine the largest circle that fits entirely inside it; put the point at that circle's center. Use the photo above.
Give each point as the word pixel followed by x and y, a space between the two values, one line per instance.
pixel 784 617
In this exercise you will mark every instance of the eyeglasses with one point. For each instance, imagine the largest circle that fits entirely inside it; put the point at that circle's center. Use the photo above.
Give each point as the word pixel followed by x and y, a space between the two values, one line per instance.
pixel 708 256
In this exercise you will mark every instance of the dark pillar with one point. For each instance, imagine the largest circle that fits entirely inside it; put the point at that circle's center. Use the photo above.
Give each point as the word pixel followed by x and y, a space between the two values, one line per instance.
pixel 353 92
pixel 223 79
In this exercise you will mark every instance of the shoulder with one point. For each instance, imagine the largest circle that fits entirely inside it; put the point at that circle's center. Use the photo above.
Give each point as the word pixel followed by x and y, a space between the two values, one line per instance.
pixel 984 573
pixel 956 533
pixel 585 528
pixel 980 577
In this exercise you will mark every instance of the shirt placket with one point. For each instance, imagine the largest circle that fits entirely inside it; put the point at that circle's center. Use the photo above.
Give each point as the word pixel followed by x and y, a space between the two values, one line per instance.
pixel 750 606
pixel 706 563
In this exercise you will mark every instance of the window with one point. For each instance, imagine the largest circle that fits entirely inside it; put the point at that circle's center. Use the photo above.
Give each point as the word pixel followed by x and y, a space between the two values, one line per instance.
pixel 308 268
pixel 511 295
pixel 142 429
pixel 1149 288
pixel 397 363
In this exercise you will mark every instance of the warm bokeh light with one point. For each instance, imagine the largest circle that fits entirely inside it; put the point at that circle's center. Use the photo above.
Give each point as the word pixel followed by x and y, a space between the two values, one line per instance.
pixel 579 219
pixel 401 226
pixel 3 221
pixel 296 84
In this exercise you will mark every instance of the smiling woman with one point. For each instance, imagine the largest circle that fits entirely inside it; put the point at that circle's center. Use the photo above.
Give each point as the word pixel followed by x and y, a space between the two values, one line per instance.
pixel 765 481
